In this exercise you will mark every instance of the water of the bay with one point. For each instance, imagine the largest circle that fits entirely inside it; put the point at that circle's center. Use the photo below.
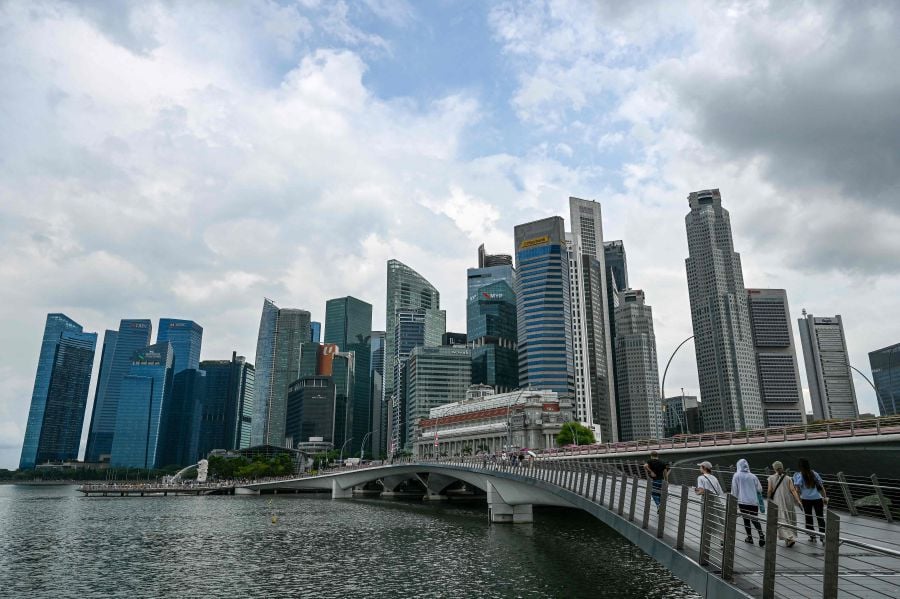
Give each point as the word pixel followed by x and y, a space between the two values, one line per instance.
pixel 55 543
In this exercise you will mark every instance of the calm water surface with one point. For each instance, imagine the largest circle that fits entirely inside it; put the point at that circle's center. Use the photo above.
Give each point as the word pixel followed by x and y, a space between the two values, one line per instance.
pixel 55 543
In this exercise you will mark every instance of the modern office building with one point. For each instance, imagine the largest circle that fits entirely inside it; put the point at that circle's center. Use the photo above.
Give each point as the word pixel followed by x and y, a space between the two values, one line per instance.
pixel 315 331
pixel 616 280
pixel 186 337
pixel 529 418
pixel 584 408
pixel 115 364
pixel 348 324
pixel 184 439
pixel 312 409
pixel 59 397
pixel 379 410
pixel 543 309
pixel 682 415
pixel 828 374
pixel 491 268
pixel 640 415
pixel 143 396
pixel 282 332
pixel 886 376
pixel 227 415
pixel 435 376
pixel 723 340
pixel 776 357
pixel 454 339
pixel 592 318
pixel 492 324
pixel 343 373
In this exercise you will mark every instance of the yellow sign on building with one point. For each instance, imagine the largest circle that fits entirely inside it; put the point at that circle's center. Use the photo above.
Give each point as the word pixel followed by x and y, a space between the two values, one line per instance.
pixel 533 242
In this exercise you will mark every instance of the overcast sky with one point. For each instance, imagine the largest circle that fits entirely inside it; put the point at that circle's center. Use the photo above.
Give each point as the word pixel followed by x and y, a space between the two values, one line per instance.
pixel 187 159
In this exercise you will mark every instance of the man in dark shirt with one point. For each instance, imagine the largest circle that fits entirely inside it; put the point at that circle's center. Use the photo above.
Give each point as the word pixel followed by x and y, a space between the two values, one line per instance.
pixel 657 471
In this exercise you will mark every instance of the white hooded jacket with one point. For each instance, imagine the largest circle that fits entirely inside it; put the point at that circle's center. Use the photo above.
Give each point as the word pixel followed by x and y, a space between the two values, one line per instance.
pixel 745 485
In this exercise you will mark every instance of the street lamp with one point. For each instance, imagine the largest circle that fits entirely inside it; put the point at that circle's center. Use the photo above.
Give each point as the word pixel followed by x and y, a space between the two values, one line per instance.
pixel 662 387
pixel 571 424
pixel 877 396
pixel 362 447
pixel 509 422
pixel 341 459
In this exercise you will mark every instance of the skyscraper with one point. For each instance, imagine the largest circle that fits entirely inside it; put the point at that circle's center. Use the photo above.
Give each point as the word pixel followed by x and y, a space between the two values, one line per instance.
pixel 143 395
pixel 348 323
pixel 543 309
pixel 584 408
pixel 185 337
pixel 53 429
pixel 435 376
pixel 493 336
pixel 118 350
pixel 827 368
pixel 228 410
pixel 311 409
pixel 776 358
pixel 282 332
pixel 641 415
pixel 886 376
pixel 593 314
pixel 723 341
pixel 182 421
pixel 315 332
pixel 376 370
pixel 616 281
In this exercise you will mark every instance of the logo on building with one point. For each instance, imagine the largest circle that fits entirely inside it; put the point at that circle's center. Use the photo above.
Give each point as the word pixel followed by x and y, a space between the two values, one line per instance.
pixel 534 241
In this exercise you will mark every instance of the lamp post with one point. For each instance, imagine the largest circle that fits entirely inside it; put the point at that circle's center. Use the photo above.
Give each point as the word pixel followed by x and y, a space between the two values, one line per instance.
pixel 508 422
pixel 877 396
pixel 662 387
pixel 341 459
pixel 362 447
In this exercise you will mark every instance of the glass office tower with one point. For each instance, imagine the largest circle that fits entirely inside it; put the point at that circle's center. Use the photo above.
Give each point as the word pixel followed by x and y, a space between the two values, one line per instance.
pixel 493 333
pixel 133 335
pixel 186 337
pixel 885 364
pixel 180 435
pixel 376 368
pixel 229 404
pixel 58 401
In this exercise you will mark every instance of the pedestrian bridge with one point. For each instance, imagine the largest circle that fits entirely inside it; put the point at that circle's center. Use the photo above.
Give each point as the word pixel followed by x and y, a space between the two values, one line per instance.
pixel 697 540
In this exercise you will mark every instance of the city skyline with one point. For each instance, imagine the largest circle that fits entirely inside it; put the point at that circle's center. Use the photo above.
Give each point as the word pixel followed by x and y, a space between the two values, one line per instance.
pixel 75 234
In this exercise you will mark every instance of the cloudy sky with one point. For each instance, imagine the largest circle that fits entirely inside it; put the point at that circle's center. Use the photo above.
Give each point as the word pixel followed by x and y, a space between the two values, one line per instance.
pixel 187 159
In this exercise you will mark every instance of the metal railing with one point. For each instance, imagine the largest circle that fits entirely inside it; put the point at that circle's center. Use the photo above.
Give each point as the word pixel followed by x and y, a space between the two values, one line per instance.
pixel 852 557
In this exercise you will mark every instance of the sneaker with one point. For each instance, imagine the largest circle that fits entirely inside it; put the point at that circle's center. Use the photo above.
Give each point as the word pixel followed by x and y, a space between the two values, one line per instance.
pixel 748 540
pixel 812 538
pixel 789 543
pixel 762 541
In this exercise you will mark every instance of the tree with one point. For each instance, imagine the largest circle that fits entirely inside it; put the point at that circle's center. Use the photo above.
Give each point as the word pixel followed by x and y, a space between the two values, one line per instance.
pixel 572 431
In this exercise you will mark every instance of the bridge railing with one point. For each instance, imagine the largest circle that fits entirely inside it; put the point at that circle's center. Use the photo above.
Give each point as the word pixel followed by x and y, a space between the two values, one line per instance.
pixel 858 558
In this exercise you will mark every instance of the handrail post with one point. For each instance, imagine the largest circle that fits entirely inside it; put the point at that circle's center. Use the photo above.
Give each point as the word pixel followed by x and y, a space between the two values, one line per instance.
pixel 730 537
pixel 634 486
pixel 828 430
pixel 832 555
pixel 624 485
pixel 848 496
pixel 682 518
pixel 881 499
pixel 584 476
pixel 769 562
pixel 647 495
pixel 596 486
pixel 603 488
pixel 612 490
pixel 878 426
pixel 661 512
pixel 704 529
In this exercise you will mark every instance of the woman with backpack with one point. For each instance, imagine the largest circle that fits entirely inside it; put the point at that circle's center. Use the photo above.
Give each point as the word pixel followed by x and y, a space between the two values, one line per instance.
pixel 783 493
pixel 812 497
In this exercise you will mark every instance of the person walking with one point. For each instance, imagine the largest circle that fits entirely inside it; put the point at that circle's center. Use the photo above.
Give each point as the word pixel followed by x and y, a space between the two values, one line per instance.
pixel 657 471
pixel 783 493
pixel 812 498
pixel 746 488
pixel 707 481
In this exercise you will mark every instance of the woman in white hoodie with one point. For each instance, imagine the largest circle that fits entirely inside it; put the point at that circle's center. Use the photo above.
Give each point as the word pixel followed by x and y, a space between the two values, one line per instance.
pixel 745 486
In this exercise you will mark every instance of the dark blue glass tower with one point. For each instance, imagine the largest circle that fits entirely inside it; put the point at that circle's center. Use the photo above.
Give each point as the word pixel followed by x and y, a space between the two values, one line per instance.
pixel 228 407
pixel 115 364
pixel 315 332
pixel 60 393
pixel 143 395
pixel 492 332
pixel 543 307
pixel 185 337
pixel 885 364
pixel 180 429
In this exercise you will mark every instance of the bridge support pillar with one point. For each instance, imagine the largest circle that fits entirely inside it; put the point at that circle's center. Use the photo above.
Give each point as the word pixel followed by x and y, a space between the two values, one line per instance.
pixel 502 512
pixel 338 493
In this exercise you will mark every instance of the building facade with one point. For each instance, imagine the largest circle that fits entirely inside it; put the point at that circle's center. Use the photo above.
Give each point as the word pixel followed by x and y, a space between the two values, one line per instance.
pixel 227 418
pixel 828 374
pixel 886 376
pixel 186 336
pixel 145 391
pixel 776 357
pixel 282 332
pixel 434 376
pixel 723 340
pixel 616 280
pixel 183 437
pixel 583 406
pixel 118 350
pixel 376 377
pixel 59 397
pixel 492 333
pixel 311 410
pixel 641 415
pixel 525 419
pixel 543 309
pixel 587 232
pixel 682 416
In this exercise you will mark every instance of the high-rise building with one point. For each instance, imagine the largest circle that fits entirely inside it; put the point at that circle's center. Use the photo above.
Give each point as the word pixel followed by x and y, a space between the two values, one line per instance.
pixel 311 409
pixel 282 332
pixel 406 289
pixel 592 317
pixel 682 415
pixel 886 376
pixel 435 376
pixel 53 429
pixel 491 268
pixel 143 395
pixel 379 413
pixel 182 421
pixel 723 341
pixel 776 358
pixel 450 338
pixel 227 416
pixel 343 373
pixel 641 415
pixel 413 328
pixel 584 408
pixel 486 260
pixel 348 323
pixel 543 309
pixel 315 331
pixel 828 373
pixel 186 337
pixel 115 364
pixel 616 281
pixel 493 336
